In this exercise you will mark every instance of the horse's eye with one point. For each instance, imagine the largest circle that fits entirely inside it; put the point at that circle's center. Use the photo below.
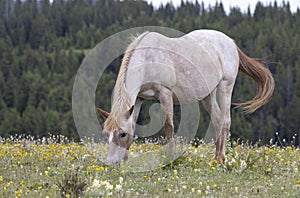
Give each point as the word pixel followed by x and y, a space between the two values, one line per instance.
pixel 122 135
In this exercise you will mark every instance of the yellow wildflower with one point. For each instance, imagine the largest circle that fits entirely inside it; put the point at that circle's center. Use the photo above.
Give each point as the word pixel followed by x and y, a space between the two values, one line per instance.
pixel 278 156
pixel 175 172
pixel 199 192
pixel 22 183
pixel 19 193
pixel 236 189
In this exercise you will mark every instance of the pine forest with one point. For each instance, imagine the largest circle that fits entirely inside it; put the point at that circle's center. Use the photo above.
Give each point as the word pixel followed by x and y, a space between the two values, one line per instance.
pixel 43 43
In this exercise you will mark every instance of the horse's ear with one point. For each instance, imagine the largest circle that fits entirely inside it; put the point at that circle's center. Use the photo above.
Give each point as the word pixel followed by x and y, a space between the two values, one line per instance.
pixel 129 112
pixel 131 109
pixel 103 113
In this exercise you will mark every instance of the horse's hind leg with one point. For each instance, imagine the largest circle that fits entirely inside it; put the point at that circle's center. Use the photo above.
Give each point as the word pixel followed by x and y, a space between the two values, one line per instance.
pixel 224 95
pixel 218 105
pixel 212 107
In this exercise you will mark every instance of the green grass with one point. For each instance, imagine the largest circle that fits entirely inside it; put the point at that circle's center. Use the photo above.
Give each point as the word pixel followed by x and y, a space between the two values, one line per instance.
pixel 47 169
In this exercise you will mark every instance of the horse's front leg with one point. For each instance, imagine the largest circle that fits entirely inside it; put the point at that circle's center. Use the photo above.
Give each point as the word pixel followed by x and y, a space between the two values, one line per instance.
pixel 137 108
pixel 166 100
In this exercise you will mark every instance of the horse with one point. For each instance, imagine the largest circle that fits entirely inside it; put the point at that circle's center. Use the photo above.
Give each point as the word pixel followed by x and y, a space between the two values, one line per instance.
pixel 199 66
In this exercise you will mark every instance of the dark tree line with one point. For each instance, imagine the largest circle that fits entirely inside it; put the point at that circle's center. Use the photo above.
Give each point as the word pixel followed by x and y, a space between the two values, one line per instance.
pixel 42 45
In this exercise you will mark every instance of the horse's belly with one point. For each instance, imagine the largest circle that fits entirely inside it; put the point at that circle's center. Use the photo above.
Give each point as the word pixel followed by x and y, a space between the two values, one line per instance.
pixel 197 74
pixel 193 86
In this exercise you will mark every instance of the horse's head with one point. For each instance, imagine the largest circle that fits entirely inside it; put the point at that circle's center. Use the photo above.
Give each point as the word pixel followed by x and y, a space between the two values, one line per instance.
pixel 120 133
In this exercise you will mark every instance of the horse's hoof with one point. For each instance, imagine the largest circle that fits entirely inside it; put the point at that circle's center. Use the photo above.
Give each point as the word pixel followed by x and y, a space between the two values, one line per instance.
pixel 220 159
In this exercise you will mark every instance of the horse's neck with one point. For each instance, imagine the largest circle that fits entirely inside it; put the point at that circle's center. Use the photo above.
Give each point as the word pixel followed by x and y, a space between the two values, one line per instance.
pixel 133 81
pixel 128 84
pixel 123 99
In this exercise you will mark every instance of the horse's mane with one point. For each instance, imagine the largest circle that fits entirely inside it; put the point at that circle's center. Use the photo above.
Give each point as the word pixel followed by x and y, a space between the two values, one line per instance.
pixel 121 101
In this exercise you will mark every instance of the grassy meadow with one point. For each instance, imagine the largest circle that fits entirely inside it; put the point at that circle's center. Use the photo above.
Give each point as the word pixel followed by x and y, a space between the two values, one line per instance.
pixel 52 168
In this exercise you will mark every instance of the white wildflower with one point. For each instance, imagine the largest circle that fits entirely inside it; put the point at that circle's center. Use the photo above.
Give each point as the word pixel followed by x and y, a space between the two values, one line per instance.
pixel 118 187
pixel 96 183
pixel 243 164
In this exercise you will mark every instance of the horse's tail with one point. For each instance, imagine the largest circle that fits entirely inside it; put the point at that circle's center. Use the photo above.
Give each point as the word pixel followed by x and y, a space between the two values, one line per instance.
pixel 263 78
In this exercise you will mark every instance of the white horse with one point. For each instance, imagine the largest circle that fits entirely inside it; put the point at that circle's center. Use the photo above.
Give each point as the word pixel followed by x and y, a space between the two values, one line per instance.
pixel 200 66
